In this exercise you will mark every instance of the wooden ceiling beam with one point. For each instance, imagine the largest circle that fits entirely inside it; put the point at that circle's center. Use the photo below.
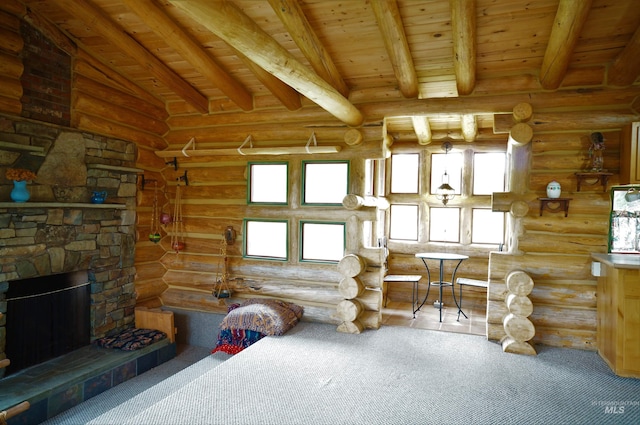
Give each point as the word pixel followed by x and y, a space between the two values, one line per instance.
pixel 95 19
pixel 392 29
pixel 284 93
pixel 626 67
pixel 190 50
pixel 229 23
pixel 422 129
pixel 469 127
pixel 463 24
pixel 567 25
pixel 293 18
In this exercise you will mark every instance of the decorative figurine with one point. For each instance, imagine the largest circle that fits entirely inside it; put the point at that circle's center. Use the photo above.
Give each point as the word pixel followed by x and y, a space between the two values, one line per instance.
pixel 596 151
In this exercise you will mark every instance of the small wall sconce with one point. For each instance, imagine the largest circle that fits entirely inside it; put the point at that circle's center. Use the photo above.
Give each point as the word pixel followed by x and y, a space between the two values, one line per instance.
pixel 230 235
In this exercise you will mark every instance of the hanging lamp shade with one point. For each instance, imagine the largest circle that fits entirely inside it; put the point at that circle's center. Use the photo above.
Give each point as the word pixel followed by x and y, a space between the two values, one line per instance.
pixel 445 192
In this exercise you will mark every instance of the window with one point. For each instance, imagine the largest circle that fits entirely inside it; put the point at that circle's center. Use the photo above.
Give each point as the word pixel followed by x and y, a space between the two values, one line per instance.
pixel 322 241
pixel 403 222
pixel 487 226
pixel 405 173
pixel 444 224
pixel 324 182
pixel 488 173
pixel 266 239
pixel 268 183
pixel 417 214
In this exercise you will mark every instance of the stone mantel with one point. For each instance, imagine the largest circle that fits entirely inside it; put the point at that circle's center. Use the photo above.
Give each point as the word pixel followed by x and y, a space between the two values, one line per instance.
pixel 21 205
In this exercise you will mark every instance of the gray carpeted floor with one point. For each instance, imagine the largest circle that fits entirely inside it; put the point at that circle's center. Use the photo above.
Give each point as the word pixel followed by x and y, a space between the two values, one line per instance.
pixel 315 375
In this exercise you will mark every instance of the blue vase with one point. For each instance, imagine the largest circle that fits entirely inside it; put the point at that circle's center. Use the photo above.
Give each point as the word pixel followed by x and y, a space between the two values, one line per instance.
pixel 20 193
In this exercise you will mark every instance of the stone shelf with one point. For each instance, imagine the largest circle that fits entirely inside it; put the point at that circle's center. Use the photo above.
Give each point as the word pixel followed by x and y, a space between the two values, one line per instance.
pixel 21 205
pixel 115 168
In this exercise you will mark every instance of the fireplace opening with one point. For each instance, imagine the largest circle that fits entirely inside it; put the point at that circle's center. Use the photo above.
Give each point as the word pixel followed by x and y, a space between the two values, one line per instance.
pixel 47 316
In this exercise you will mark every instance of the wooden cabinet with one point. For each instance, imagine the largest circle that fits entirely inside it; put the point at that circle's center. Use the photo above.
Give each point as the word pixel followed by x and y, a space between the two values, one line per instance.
pixel 618 326
pixel 630 154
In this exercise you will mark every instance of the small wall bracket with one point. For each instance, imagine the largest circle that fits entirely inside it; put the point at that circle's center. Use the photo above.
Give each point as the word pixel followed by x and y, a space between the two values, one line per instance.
pixel 563 205
pixel 184 178
pixel 592 178
pixel 174 162
pixel 144 181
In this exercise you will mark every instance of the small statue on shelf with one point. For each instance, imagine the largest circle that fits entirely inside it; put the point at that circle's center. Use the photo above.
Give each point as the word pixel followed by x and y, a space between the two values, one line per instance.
pixel 596 151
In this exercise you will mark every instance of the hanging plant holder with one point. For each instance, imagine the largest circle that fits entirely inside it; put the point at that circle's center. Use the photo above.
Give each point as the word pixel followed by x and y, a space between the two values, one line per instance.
pixel 221 288
pixel 154 233
pixel 177 233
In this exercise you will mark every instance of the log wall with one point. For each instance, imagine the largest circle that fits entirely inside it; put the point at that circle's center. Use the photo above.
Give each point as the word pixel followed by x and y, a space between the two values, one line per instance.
pixel 553 249
pixel 215 198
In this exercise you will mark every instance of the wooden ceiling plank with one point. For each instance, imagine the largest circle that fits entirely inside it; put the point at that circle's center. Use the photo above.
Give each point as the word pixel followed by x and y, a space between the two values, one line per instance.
pixel 103 25
pixel 238 30
pixel 626 67
pixel 293 18
pixel 567 25
pixel 156 19
pixel 463 23
pixel 390 24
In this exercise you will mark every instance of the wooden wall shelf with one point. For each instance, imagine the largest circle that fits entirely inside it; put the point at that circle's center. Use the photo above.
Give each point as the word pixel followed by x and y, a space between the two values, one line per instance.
pixel 599 176
pixel 547 203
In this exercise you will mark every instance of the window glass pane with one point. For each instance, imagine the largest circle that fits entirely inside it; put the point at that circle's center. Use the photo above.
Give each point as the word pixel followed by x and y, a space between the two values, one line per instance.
pixel 266 239
pixel 323 241
pixel 487 226
pixel 488 173
pixel 369 175
pixel 452 164
pixel 268 183
pixel 444 224
pixel 403 222
pixel 325 182
pixel 404 173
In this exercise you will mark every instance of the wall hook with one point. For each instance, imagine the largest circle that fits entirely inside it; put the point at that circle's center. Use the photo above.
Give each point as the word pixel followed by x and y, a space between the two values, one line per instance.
pixel 184 178
pixel 144 181
pixel 174 162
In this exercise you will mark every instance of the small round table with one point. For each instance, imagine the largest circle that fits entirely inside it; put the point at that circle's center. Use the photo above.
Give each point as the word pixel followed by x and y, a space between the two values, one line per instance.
pixel 441 257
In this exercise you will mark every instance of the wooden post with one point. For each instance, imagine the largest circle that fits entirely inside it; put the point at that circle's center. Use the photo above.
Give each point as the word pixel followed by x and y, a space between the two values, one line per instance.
pixel 517 326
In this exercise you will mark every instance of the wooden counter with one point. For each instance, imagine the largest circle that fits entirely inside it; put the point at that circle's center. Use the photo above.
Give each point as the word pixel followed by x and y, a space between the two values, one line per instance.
pixel 618 302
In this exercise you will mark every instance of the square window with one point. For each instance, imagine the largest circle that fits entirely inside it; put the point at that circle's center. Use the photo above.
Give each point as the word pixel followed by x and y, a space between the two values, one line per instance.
pixel 487 226
pixel 325 182
pixel 322 241
pixel 268 183
pixel 403 222
pixel 488 172
pixel 266 239
pixel 444 224
pixel 405 173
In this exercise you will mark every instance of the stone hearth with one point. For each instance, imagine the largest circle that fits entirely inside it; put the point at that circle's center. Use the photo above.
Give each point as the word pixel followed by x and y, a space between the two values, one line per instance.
pixel 58 230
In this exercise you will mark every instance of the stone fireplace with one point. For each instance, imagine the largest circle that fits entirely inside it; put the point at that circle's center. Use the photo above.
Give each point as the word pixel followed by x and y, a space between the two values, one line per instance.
pixel 59 230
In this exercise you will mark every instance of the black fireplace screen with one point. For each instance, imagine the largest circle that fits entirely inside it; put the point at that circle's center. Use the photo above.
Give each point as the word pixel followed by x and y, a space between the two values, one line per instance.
pixel 46 317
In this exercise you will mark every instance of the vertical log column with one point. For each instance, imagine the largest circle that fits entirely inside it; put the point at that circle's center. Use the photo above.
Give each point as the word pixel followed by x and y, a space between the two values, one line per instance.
pixel 517 326
pixel 350 288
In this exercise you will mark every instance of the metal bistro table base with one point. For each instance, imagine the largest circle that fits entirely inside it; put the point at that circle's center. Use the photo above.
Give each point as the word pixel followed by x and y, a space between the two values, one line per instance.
pixel 441 257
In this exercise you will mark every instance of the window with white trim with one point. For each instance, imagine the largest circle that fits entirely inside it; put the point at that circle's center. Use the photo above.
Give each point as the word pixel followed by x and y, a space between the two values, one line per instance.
pixel 473 171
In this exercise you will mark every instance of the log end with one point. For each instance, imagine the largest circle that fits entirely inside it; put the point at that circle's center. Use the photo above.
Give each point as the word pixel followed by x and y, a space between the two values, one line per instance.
pixel 509 345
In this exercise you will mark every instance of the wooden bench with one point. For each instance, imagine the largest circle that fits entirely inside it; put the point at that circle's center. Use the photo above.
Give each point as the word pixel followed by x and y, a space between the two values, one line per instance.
pixel 463 281
pixel 413 278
